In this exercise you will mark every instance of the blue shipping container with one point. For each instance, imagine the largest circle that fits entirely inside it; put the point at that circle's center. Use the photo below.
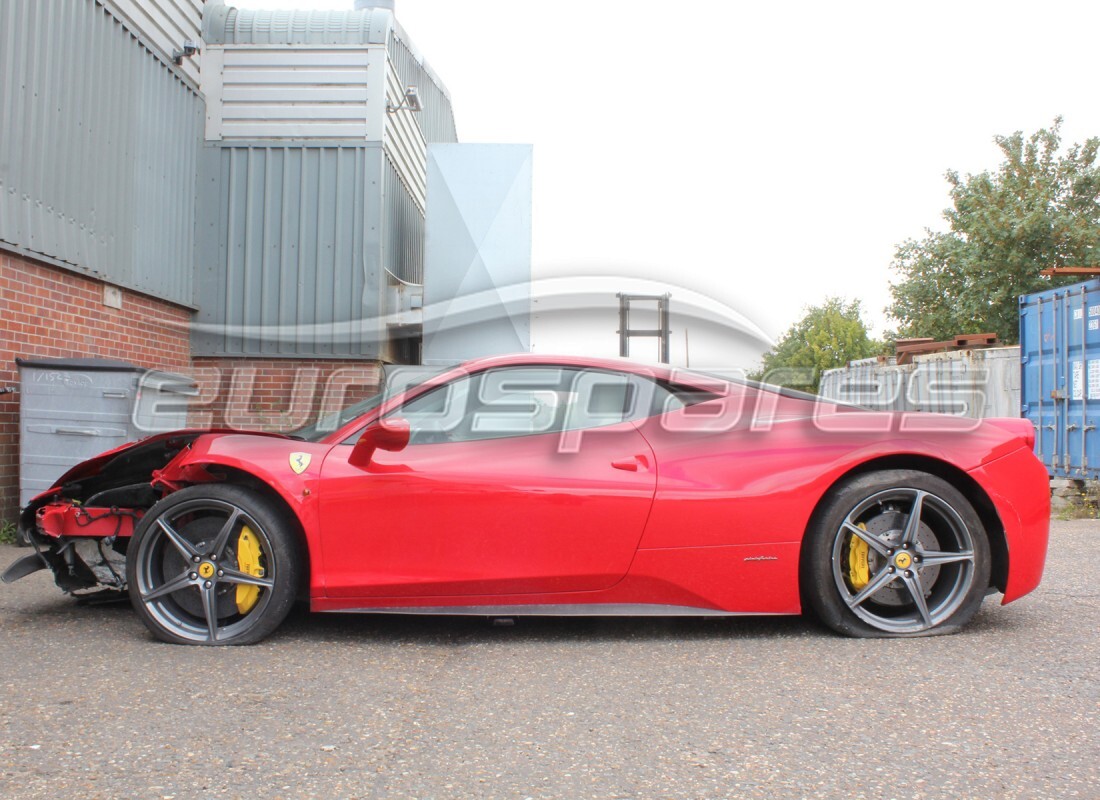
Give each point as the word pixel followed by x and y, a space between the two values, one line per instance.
pixel 1060 378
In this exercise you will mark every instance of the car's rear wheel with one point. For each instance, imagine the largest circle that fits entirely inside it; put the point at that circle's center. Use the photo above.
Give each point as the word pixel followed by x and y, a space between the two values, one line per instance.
pixel 896 553
pixel 214 565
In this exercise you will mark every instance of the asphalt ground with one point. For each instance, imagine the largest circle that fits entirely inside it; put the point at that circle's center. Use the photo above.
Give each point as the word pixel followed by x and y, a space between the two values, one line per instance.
pixel 394 707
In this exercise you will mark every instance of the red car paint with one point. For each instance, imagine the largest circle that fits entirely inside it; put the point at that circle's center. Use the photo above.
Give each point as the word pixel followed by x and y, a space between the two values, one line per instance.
pixel 65 519
pixel 705 507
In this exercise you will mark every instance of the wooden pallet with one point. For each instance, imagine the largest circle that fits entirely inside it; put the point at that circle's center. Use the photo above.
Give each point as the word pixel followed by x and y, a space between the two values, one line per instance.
pixel 907 348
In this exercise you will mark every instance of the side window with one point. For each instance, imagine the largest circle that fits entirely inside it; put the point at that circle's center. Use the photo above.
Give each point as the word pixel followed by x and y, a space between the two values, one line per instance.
pixel 518 401
pixel 437 415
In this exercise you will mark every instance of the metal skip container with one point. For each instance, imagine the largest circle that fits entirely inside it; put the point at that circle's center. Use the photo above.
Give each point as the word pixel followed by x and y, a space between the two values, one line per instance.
pixel 1060 376
pixel 73 409
pixel 971 383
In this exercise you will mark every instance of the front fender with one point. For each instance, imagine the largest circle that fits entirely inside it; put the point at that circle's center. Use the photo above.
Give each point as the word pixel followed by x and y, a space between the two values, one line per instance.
pixel 289 468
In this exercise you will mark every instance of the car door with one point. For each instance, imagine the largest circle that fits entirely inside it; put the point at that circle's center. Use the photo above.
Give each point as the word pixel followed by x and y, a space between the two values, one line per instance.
pixel 516 480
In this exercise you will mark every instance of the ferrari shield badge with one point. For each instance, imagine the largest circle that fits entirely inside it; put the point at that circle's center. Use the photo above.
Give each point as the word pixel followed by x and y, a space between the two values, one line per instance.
pixel 299 462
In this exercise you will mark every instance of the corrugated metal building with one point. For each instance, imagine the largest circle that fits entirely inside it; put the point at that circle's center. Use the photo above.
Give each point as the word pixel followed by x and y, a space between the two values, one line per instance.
pixel 312 183
pixel 295 142
pixel 99 139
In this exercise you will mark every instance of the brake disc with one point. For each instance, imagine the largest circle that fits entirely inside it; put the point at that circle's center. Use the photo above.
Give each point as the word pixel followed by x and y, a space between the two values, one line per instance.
pixel 889 526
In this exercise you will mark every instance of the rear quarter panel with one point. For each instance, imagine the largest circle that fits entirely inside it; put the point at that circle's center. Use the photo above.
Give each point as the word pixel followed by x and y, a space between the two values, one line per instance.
pixel 732 506
pixel 760 482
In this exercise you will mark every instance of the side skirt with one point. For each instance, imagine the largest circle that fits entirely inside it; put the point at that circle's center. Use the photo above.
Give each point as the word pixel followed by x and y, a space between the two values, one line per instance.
pixel 549 610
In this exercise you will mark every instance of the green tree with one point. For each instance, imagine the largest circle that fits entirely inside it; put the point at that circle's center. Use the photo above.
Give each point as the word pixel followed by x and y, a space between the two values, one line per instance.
pixel 828 335
pixel 1039 209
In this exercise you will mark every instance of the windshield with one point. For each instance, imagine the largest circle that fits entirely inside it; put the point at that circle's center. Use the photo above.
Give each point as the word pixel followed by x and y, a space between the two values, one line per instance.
pixel 395 380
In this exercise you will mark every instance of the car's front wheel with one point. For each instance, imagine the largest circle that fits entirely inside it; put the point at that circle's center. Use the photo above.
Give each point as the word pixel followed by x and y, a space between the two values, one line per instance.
pixel 213 564
pixel 896 553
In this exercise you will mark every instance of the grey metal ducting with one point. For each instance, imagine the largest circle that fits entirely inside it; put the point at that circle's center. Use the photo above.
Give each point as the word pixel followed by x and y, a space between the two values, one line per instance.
pixel 361 5
pixel 224 24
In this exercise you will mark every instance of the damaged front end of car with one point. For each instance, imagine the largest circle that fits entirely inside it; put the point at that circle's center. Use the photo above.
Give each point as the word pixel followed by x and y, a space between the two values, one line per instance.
pixel 81 527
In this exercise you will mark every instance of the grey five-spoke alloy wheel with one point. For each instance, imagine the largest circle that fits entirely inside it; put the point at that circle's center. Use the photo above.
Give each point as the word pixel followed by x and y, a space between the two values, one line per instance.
pixel 214 565
pixel 896 553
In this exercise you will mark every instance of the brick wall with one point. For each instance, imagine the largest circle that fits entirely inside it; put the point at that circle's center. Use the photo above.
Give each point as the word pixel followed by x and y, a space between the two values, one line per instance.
pixel 47 312
pixel 277 394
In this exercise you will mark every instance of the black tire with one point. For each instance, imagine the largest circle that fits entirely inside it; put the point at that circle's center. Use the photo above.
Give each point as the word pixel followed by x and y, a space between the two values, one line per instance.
pixel 867 571
pixel 187 573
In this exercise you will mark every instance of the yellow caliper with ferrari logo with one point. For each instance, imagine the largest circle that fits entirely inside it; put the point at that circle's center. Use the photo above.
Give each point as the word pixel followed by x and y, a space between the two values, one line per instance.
pixel 859 572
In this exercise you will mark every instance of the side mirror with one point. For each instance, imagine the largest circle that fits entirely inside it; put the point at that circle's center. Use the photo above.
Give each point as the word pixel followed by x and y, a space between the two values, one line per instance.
pixel 390 434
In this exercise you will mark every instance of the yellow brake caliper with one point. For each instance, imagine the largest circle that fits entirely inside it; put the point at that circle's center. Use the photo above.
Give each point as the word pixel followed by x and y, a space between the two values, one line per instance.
pixel 248 562
pixel 859 573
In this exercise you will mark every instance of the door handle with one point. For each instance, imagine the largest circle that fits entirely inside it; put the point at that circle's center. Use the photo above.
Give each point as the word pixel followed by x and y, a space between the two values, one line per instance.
pixel 630 464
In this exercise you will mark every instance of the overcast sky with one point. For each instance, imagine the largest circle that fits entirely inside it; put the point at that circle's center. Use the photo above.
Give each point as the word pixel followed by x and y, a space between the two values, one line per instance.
pixel 765 155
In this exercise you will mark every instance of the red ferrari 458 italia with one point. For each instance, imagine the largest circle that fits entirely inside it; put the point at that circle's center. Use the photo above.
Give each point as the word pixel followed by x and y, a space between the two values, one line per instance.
pixel 559 486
